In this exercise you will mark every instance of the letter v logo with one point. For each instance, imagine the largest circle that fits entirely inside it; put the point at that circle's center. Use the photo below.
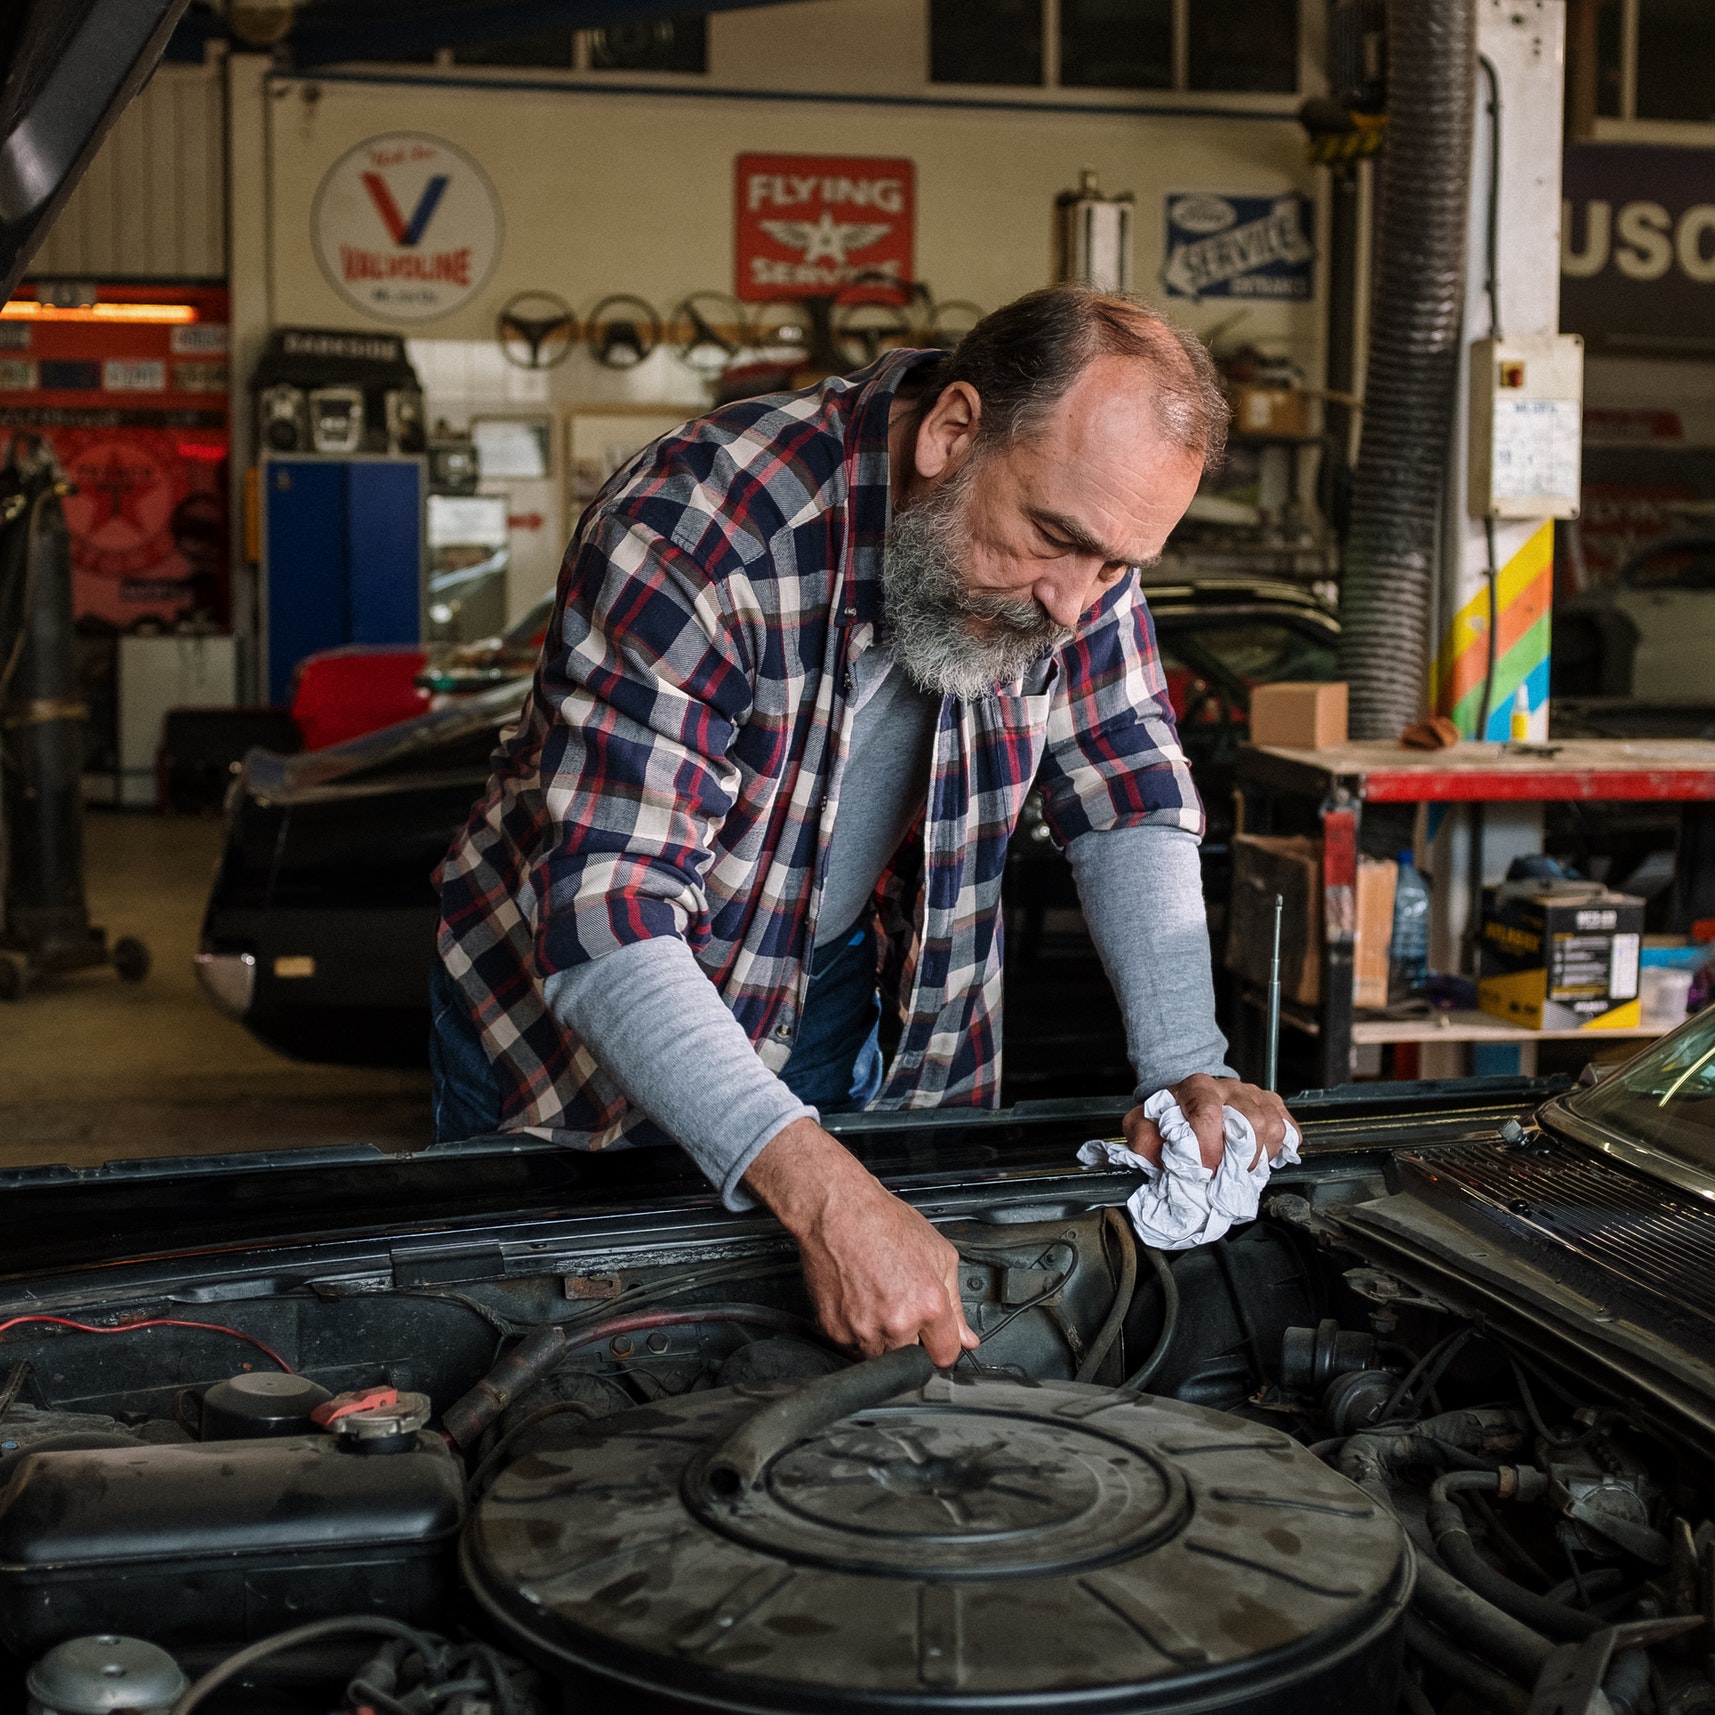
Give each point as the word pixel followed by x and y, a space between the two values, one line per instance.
pixel 388 209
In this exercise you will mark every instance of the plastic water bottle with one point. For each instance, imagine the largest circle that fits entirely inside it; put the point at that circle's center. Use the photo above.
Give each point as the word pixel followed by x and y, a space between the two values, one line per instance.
pixel 1408 954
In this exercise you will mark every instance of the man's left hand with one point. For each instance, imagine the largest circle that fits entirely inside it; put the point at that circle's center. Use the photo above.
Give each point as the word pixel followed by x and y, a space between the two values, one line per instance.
pixel 1201 1099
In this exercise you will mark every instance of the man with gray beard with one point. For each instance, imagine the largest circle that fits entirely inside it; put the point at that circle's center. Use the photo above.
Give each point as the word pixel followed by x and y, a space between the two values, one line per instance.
pixel 809 654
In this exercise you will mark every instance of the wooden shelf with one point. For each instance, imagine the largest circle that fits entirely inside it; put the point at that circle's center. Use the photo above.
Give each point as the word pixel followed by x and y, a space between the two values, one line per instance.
pixel 1482 1027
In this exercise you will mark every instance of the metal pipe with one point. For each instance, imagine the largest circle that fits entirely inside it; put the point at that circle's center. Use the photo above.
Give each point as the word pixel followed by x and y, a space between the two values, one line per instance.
pixel 1271 1051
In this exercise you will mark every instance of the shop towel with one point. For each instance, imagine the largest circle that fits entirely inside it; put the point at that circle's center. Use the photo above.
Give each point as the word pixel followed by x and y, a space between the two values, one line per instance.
pixel 1181 1203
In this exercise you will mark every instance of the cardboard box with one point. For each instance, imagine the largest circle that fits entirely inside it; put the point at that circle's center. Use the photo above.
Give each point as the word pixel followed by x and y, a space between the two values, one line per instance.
pixel 1264 865
pixel 1561 956
pixel 1373 941
pixel 1285 413
pixel 1299 716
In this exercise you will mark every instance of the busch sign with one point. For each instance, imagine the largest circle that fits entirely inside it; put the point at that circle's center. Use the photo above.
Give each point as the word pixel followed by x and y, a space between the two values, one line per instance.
pixel 812 225
pixel 406 227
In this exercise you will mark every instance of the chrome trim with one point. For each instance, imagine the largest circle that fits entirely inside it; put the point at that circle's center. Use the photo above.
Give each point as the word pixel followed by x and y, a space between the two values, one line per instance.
pixel 1644 1158
pixel 229 981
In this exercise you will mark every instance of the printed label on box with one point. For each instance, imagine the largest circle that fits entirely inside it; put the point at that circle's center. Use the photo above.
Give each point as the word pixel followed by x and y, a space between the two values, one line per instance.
pixel 134 375
pixel 200 339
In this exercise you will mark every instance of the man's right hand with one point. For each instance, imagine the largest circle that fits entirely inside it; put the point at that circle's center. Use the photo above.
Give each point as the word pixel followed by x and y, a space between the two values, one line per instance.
pixel 879 1274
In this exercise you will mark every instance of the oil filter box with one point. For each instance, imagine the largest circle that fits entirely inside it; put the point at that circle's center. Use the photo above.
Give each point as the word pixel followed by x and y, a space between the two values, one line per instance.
pixel 1561 956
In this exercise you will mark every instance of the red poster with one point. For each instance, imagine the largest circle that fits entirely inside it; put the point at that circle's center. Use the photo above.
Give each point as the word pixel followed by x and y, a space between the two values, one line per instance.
pixel 810 225
pixel 132 394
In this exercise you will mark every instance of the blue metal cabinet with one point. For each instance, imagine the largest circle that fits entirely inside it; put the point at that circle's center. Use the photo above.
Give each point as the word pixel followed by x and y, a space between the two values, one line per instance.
pixel 342 556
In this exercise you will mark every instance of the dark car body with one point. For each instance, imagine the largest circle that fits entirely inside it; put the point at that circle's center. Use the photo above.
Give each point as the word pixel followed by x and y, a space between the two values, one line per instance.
pixel 1469 1261
pixel 320 924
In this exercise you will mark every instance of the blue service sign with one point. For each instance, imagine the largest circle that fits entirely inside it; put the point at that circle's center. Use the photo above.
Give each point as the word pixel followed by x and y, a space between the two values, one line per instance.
pixel 1239 247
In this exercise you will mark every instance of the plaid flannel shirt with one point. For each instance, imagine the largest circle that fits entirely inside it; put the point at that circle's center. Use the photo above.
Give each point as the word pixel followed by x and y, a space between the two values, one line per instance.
pixel 676 769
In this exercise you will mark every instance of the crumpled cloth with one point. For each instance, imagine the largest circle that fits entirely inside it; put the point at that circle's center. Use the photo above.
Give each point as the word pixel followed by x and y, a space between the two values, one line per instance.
pixel 1181 1203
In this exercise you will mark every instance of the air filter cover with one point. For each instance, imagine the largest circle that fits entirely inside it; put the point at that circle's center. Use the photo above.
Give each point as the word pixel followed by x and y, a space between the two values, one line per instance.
pixel 979 1544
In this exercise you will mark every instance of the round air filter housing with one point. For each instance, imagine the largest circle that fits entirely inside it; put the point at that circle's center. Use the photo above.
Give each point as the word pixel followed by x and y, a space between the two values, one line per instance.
pixel 973 1544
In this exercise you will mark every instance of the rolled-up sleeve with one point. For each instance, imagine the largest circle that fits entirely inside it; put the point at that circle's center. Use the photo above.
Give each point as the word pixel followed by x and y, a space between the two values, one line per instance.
pixel 1113 757
pixel 650 681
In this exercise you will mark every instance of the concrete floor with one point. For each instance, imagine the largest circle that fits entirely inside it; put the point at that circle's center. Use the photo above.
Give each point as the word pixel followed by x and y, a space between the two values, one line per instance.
pixel 93 1069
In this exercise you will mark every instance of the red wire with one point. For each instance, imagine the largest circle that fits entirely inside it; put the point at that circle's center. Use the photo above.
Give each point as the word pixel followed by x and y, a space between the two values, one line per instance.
pixel 156 1322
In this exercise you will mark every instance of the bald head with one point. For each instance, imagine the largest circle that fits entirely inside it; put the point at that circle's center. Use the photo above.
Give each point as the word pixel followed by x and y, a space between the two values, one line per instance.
pixel 1023 360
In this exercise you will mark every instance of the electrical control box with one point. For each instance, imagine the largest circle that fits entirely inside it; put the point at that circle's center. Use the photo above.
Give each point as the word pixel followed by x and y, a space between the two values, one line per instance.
pixel 1527 407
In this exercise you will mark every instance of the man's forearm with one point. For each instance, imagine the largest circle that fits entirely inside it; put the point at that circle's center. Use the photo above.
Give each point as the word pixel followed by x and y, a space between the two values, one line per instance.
pixel 1142 893
pixel 658 1027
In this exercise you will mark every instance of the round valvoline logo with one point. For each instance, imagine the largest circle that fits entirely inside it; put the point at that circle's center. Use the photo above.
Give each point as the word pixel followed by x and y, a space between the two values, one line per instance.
pixel 406 227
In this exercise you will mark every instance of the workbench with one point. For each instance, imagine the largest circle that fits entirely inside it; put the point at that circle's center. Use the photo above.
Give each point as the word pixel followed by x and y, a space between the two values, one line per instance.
pixel 1342 779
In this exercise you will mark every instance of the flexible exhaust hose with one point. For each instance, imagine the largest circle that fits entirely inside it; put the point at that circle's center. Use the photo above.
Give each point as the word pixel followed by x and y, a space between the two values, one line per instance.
pixel 1416 334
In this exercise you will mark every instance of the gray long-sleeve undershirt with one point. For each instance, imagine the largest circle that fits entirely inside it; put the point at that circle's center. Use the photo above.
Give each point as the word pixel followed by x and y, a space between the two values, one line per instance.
pixel 655 1022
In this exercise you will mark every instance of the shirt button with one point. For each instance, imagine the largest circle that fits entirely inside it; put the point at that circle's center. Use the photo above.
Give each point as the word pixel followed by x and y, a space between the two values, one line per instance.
pixel 783 1032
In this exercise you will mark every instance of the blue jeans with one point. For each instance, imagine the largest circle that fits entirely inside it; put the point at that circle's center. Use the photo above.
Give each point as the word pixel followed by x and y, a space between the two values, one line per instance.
pixel 835 1065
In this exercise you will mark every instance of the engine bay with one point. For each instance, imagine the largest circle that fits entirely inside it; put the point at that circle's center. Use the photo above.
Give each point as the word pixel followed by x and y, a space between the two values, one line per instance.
pixel 1271 1473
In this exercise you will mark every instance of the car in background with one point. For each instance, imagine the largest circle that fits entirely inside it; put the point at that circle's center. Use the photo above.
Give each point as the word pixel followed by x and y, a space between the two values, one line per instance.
pixel 341 694
pixel 1646 634
pixel 320 925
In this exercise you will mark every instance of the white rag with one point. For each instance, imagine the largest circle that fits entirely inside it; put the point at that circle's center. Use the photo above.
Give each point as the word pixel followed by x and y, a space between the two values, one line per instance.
pixel 1181 1203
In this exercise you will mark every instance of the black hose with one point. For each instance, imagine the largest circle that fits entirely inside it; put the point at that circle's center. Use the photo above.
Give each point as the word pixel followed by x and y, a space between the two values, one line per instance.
pixel 1416 335
pixel 347 1625
pixel 1453 1543
pixel 1113 1221
pixel 1462 1669
pixel 1440 1597
pixel 1412 1699
pixel 1603 1582
pixel 1169 1322
pixel 1247 1328
pixel 559 1408
pixel 739 1462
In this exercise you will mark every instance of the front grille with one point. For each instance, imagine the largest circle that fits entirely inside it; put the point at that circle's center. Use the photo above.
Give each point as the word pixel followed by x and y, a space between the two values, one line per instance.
pixel 1616 1236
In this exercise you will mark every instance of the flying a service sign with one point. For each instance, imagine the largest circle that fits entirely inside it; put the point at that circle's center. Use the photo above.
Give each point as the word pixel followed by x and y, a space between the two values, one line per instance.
pixel 812 225
pixel 406 227
pixel 1239 246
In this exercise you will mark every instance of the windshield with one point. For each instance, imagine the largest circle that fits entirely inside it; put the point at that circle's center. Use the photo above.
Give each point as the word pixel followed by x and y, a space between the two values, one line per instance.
pixel 1666 1097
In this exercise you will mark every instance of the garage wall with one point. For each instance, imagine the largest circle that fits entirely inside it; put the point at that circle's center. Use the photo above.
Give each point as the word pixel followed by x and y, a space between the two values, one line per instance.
pixel 610 189
pixel 152 205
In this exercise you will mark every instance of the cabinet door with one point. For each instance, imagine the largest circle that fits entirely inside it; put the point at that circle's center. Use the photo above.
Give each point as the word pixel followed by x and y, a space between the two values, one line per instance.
pixel 305 509
pixel 384 547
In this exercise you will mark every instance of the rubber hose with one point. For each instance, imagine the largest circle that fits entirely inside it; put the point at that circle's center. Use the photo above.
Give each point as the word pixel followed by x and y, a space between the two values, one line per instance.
pixel 1440 1597
pixel 1416 335
pixel 740 1461
pixel 1453 1543
pixel 1169 1322
pixel 1120 1227
pixel 533 1356
pixel 1462 1669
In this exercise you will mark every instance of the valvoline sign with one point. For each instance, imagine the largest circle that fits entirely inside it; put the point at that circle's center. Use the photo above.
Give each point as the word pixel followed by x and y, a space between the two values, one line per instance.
pixel 818 225
pixel 406 227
